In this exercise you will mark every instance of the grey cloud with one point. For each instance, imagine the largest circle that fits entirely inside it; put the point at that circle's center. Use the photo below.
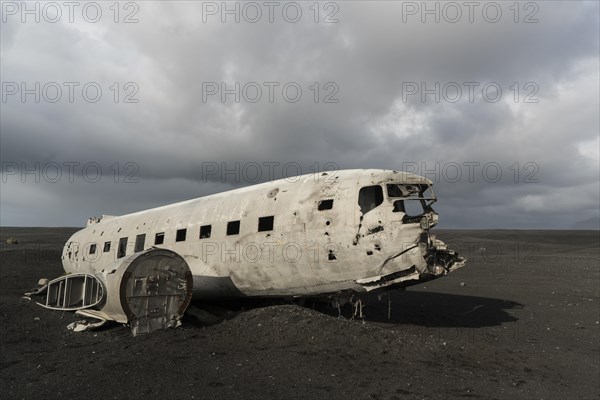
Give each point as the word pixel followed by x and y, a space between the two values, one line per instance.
pixel 171 132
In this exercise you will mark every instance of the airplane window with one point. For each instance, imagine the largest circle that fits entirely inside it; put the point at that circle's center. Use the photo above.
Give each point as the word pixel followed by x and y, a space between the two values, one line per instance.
pixel 265 223
pixel 93 248
pixel 180 236
pixel 106 247
pixel 396 190
pixel 325 205
pixel 370 197
pixel 411 208
pixel 122 247
pixel 159 238
pixel 205 231
pixel 427 193
pixel 140 240
pixel 233 227
pixel 417 201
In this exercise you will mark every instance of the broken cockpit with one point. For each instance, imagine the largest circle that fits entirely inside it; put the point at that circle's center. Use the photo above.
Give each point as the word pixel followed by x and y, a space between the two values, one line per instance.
pixel 415 202
pixel 395 221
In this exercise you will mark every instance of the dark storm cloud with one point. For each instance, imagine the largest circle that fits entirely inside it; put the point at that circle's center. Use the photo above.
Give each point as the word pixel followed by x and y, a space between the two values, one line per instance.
pixel 370 56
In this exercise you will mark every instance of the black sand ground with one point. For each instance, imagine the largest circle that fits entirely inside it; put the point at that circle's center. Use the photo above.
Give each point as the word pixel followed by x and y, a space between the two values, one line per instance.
pixel 524 325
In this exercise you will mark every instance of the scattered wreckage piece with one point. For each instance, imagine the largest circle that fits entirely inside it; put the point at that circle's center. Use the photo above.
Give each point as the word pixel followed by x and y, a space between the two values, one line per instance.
pixel 332 234
pixel 84 325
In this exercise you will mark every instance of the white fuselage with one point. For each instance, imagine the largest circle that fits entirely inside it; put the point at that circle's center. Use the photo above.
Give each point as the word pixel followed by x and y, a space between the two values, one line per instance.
pixel 310 246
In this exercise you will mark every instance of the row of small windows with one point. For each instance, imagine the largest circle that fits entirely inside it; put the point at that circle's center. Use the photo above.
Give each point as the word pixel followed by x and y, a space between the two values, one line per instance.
pixel 233 228
pixel 265 224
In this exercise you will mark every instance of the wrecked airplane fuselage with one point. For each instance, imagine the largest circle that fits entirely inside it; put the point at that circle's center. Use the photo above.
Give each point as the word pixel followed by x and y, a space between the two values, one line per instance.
pixel 328 234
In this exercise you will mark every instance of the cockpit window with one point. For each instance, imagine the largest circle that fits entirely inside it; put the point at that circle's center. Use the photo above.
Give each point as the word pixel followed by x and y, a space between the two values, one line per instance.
pixel 410 207
pixel 394 191
pixel 399 190
pixel 370 197
pixel 415 200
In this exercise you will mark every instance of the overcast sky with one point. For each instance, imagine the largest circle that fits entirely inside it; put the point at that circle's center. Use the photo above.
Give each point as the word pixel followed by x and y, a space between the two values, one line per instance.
pixel 497 104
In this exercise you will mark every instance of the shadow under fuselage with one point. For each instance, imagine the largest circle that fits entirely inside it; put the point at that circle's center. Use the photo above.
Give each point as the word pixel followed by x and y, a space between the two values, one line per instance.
pixel 427 309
